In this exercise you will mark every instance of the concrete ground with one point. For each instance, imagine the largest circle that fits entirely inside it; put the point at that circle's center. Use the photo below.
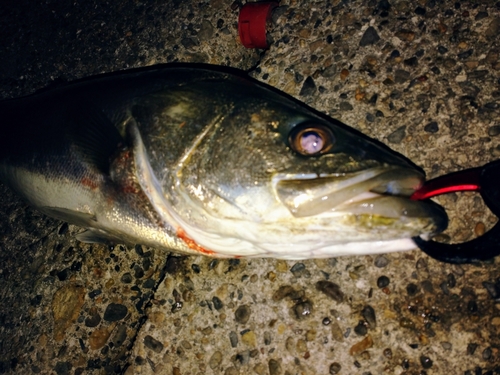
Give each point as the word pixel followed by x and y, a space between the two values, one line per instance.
pixel 422 77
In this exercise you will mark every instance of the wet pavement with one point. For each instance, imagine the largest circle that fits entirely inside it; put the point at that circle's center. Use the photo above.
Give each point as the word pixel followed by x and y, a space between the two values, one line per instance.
pixel 422 77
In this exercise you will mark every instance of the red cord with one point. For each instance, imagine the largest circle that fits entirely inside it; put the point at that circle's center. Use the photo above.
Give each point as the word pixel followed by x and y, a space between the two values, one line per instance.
pixel 467 180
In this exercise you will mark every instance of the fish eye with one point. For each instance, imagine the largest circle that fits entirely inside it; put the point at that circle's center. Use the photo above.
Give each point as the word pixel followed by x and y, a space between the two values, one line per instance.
pixel 311 139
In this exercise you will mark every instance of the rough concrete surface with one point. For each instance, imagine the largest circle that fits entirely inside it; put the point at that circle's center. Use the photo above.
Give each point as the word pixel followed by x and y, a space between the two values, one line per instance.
pixel 421 76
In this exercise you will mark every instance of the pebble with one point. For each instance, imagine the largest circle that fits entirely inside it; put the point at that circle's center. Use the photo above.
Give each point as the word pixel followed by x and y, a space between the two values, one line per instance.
pixel 249 338
pixel 298 269
pixel 361 346
pixel 242 314
pixel 406 35
pixel 369 314
pixel 446 345
pixel 215 360
pixel 127 278
pixel 206 31
pixel 487 353
pixel 426 362
pixel 243 357
pixel 332 290
pixel 471 348
pixel 303 309
pixel 308 87
pixel 398 135
pixel 401 76
pixel 66 305
pixel 99 337
pixel 287 291
pixel 493 288
pixel 479 229
pixel 115 312
pixel 345 106
pixel 472 307
pixel 311 334
pixel 63 368
pixel 120 335
pixel 217 303
pixel 383 281
pixel 233 339
pixel 335 368
pixel 369 37
pixel 412 61
pixel 260 369
pixel 370 117
pixel 412 289
pixel 267 338
pixel 427 286
pixel 274 367
pixel 361 329
pixel 466 54
pixel 431 127
pixel 381 261
pixel 337 334
pixel 493 28
pixel 420 11
pixel 388 353
pixel 407 323
pixel 94 319
pixel 344 73
pixel 153 344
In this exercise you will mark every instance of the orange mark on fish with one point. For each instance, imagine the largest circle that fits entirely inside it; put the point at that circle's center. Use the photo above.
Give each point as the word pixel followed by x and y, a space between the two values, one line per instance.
pixel 181 234
pixel 88 182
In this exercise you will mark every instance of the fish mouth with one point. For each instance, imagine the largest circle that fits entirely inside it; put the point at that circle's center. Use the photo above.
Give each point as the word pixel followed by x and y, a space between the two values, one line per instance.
pixel 380 192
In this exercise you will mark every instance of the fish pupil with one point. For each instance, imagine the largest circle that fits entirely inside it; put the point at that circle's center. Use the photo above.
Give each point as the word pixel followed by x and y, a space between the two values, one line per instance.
pixel 311 142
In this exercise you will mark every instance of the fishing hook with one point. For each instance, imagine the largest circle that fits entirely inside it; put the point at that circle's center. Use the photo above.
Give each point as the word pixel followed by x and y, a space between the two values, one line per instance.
pixel 486 181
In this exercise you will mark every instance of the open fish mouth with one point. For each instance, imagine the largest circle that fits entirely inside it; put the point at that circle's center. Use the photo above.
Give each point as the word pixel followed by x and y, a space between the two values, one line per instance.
pixel 381 192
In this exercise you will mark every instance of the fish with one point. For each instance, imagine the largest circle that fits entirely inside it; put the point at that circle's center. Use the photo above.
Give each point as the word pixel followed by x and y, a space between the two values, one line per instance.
pixel 201 159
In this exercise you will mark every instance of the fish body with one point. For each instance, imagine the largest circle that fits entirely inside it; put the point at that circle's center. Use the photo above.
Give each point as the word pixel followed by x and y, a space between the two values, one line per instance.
pixel 202 159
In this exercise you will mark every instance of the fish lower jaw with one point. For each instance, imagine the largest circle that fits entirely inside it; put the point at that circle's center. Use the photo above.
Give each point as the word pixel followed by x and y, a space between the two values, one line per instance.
pixel 233 238
pixel 225 247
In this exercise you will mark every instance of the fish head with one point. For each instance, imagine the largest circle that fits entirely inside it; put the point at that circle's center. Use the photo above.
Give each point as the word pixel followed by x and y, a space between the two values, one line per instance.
pixel 283 180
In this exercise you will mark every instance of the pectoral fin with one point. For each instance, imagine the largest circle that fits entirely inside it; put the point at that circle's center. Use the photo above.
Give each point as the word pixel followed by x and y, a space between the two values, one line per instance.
pixel 82 219
pixel 99 236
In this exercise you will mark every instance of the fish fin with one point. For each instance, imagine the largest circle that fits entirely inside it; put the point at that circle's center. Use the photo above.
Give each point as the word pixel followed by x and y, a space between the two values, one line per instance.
pixel 96 137
pixel 82 219
pixel 98 236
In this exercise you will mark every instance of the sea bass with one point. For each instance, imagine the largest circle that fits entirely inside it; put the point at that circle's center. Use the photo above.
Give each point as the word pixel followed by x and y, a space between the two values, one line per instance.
pixel 205 160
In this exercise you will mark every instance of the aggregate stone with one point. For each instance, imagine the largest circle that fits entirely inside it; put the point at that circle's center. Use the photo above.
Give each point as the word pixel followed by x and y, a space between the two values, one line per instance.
pixel 242 314
pixel 93 320
pixel 431 127
pixel 401 76
pixel 383 281
pixel 381 261
pixel 398 135
pixel 153 344
pixel 115 312
pixel 369 314
pixel 370 36
pixel 63 368
pixel 426 362
pixel 274 367
pixel 308 87
pixel 331 289
pixel 215 360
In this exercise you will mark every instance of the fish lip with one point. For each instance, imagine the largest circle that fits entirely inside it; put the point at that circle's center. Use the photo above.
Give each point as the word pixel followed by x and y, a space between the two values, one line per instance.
pixel 311 194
